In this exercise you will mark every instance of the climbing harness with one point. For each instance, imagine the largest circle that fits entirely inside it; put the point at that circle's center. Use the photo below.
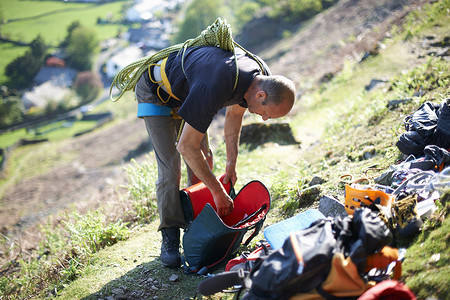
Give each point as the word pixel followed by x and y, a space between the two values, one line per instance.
pixel 162 81
pixel 217 34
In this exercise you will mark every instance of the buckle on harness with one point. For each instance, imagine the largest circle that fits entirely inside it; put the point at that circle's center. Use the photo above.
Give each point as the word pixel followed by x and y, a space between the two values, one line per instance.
pixel 159 72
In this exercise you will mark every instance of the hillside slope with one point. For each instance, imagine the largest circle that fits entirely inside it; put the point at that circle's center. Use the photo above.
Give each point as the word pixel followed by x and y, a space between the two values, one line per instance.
pixel 334 123
pixel 351 120
pixel 316 50
pixel 345 31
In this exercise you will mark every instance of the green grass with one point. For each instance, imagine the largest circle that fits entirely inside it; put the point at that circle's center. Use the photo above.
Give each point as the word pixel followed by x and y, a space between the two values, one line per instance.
pixel 10 138
pixel 121 109
pixel 135 261
pixel 25 20
pixel 427 264
pixel 60 130
pixel 55 131
pixel 31 160
pixel 65 249
pixel 9 52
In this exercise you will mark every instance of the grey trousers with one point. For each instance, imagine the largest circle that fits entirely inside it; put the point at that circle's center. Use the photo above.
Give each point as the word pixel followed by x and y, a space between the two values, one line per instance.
pixel 163 133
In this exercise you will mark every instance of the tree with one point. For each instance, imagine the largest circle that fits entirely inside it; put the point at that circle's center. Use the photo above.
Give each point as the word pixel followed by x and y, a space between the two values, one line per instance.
pixel 22 69
pixel 296 9
pixel 11 111
pixel 304 8
pixel 88 86
pixel 38 48
pixel 70 29
pixel 199 15
pixel 244 12
pixel 81 47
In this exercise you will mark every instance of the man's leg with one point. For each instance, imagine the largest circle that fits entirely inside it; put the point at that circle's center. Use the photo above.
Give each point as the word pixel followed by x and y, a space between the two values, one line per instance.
pixel 163 133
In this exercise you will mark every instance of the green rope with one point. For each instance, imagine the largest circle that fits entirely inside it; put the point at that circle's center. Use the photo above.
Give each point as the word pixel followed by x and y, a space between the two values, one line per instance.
pixel 217 34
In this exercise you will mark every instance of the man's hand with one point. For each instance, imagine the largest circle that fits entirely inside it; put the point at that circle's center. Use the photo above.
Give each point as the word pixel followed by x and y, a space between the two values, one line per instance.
pixel 230 173
pixel 224 204
pixel 189 148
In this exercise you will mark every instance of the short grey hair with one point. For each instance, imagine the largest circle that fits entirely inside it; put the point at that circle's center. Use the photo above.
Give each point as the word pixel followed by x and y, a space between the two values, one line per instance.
pixel 278 89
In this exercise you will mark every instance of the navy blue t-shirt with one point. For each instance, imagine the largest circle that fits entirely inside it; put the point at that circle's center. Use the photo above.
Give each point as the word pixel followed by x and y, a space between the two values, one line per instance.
pixel 206 84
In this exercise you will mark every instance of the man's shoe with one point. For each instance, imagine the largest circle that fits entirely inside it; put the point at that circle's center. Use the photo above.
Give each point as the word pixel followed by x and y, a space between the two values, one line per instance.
pixel 170 247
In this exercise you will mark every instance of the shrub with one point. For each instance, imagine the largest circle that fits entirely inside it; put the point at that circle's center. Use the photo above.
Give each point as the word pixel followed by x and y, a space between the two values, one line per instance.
pixel 66 248
pixel 88 86
pixel 22 70
pixel 11 111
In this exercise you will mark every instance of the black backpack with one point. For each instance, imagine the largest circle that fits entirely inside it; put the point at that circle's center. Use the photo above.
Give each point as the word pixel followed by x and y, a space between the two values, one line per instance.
pixel 429 125
pixel 309 259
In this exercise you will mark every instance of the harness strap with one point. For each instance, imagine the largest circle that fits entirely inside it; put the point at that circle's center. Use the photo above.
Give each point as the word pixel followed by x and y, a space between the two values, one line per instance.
pixel 150 109
pixel 161 80
pixel 165 79
pixel 165 84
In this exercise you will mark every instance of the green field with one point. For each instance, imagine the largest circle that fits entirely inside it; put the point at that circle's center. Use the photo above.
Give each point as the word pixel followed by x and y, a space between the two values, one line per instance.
pixel 24 20
pixel 55 131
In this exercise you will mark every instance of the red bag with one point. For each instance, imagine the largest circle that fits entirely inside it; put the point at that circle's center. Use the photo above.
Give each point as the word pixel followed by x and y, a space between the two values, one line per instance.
pixel 194 198
pixel 247 259
pixel 388 289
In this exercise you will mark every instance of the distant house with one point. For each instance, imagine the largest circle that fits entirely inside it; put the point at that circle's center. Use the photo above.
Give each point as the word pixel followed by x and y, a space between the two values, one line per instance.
pixel 149 37
pixel 54 61
pixel 143 10
pixel 60 76
pixel 122 59
pixel 44 93
pixel 52 83
pixel 55 70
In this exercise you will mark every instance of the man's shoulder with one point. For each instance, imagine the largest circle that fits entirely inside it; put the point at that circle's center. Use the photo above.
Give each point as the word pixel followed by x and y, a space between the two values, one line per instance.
pixel 204 49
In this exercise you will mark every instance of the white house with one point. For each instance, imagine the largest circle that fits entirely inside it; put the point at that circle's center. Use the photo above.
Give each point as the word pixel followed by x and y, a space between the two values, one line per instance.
pixel 143 10
pixel 122 59
pixel 44 93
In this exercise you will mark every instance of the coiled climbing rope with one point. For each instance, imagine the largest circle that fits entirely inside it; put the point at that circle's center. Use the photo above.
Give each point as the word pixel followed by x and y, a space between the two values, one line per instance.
pixel 217 34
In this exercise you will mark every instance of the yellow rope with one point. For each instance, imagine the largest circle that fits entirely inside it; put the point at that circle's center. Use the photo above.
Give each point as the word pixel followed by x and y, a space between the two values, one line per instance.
pixel 217 34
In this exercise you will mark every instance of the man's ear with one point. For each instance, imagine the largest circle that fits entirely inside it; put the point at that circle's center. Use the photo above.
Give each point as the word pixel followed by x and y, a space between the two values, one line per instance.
pixel 261 96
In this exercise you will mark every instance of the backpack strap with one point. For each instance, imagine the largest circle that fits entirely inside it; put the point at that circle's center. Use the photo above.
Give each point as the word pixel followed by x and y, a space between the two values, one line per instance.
pixel 221 281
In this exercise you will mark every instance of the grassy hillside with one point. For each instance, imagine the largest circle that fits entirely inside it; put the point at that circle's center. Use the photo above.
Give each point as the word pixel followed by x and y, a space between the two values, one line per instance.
pixel 343 120
pixel 343 129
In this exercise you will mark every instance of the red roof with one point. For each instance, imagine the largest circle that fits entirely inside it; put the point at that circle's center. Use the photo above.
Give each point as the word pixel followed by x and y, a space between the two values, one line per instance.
pixel 53 61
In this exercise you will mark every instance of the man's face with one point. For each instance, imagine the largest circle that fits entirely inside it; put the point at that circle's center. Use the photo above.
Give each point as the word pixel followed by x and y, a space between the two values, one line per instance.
pixel 269 111
pixel 262 110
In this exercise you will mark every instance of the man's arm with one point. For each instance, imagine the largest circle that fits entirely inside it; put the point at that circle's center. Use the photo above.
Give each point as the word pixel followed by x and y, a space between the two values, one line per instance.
pixel 232 131
pixel 189 147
